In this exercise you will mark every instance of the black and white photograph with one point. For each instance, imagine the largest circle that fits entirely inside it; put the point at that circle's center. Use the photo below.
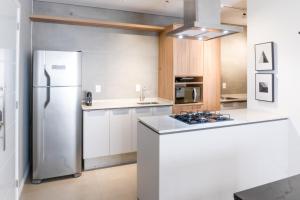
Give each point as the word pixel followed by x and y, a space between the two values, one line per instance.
pixel 264 87
pixel 264 56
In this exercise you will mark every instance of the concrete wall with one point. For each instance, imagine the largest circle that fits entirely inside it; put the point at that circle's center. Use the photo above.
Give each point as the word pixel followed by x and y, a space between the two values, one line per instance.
pixel 234 63
pixel 115 59
pixel 270 20
pixel 25 88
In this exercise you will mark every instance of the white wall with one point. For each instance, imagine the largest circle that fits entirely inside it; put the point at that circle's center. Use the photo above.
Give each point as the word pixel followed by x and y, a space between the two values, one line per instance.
pixel 277 21
pixel 8 36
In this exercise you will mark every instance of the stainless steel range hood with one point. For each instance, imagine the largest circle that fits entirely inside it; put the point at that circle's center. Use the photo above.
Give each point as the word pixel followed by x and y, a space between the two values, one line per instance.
pixel 202 21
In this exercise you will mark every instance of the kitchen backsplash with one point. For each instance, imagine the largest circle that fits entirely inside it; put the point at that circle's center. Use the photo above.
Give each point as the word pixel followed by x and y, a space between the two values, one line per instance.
pixel 234 63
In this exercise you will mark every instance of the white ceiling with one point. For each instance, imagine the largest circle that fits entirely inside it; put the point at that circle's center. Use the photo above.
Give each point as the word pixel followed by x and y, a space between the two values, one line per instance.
pixel 161 7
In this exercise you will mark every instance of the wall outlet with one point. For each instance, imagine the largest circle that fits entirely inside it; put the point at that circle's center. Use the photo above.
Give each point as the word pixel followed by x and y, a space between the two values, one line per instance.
pixel 138 87
pixel 98 88
pixel 224 85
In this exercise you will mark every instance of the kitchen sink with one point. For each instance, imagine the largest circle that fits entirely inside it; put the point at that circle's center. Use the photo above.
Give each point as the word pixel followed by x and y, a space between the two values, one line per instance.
pixel 148 103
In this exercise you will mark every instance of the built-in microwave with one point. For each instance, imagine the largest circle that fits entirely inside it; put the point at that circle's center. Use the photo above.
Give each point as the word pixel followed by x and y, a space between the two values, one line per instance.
pixel 187 94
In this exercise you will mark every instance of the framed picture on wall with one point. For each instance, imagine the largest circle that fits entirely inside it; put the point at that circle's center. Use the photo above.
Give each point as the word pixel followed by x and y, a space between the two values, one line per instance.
pixel 264 87
pixel 264 56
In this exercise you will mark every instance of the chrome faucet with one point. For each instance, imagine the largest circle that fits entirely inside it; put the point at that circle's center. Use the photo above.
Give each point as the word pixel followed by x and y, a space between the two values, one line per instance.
pixel 142 94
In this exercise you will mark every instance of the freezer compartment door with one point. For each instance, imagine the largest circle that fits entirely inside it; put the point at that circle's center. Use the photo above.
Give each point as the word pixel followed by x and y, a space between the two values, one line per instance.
pixel 56 68
pixel 57 132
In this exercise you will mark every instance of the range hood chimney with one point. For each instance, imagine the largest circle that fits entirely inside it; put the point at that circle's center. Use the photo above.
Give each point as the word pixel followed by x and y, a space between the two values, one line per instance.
pixel 202 21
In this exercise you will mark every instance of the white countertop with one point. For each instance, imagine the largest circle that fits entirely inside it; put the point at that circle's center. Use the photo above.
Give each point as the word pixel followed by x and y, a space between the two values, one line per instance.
pixel 125 103
pixel 167 124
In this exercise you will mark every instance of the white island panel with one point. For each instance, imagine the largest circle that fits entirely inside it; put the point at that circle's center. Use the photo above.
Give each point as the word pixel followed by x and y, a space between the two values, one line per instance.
pixel 212 164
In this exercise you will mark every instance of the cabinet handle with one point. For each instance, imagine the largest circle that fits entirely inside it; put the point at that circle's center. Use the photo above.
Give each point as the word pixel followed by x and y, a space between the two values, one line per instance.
pixel 2 118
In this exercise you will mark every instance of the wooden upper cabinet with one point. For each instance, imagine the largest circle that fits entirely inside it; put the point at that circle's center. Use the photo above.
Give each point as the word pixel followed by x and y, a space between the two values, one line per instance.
pixel 188 57
pixel 196 60
pixel 181 53
pixel 212 75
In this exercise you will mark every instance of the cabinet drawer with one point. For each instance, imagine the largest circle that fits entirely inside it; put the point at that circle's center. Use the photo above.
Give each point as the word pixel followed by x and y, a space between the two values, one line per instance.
pixel 198 108
pixel 177 109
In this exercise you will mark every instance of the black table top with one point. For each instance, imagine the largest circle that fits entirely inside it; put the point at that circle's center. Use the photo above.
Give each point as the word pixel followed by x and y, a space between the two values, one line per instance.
pixel 286 189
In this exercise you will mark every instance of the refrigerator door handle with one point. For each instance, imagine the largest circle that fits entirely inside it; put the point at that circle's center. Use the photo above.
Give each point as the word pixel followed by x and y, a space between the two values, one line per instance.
pixel 48 88
pixel 2 120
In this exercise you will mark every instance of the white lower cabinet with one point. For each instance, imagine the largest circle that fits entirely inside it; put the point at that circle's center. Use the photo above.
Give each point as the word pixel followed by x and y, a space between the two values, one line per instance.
pixel 95 134
pixel 136 113
pixel 120 131
pixel 113 132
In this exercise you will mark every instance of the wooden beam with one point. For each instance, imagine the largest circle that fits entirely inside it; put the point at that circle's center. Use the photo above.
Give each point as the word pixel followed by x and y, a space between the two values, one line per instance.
pixel 95 23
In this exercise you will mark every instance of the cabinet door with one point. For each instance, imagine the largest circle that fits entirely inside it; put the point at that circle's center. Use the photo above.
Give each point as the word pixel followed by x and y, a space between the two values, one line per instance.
pixel 196 58
pixel 181 57
pixel 136 113
pixel 95 134
pixel 120 131
pixel 212 77
pixel 163 110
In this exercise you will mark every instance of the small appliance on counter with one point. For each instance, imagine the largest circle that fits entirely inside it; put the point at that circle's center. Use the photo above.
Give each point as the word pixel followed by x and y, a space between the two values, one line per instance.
pixel 89 99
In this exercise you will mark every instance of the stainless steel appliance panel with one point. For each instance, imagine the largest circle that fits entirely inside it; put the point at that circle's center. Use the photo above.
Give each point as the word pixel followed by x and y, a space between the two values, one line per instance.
pixel 57 68
pixel 187 94
pixel 57 115
pixel 57 132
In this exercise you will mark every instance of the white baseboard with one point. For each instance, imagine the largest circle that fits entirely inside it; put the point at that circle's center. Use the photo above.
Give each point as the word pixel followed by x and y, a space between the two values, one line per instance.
pixel 24 178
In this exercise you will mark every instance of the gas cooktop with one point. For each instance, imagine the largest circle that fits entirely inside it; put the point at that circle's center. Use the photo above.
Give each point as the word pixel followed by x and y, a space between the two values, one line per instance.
pixel 202 117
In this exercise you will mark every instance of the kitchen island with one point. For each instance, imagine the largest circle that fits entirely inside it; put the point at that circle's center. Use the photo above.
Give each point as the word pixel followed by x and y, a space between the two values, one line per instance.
pixel 212 161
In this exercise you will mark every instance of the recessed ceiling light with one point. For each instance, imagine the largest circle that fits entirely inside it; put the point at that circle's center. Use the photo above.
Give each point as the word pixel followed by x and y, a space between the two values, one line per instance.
pixel 180 36
pixel 200 38
pixel 225 32
pixel 203 29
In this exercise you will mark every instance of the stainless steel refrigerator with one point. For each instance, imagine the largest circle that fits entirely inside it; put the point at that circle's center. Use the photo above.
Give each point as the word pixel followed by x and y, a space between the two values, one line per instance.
pixel 57 115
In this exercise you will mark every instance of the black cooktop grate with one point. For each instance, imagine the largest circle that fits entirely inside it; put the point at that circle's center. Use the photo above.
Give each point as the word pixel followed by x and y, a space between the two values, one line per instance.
pixel 202 117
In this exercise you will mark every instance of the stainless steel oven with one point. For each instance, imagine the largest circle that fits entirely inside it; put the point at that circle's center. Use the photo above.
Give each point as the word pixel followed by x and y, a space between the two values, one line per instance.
pixel 187 94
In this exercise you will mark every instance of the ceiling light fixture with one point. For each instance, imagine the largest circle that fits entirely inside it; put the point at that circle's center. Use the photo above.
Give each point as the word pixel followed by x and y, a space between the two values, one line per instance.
pixel 180 36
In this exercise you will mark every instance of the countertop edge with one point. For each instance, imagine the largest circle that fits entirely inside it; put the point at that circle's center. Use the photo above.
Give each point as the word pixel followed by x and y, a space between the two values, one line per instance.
pixel 190 129
pixel 124 107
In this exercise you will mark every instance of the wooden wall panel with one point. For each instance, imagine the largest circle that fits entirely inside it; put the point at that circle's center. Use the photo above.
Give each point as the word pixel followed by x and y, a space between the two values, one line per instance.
pixel 212 75
pixel 165 70
pixel 196 57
